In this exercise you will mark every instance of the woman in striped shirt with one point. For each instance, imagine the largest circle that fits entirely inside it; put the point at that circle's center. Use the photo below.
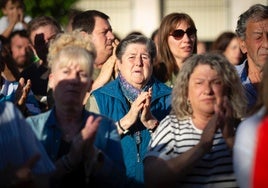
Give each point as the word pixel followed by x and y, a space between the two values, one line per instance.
pixel 192 147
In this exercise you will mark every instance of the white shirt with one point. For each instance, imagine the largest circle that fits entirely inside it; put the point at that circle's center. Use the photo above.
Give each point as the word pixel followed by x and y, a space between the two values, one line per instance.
pixel 19 26
pixel 244 148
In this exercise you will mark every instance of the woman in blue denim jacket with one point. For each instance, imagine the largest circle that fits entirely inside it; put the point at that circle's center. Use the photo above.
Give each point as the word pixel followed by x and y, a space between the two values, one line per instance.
pixel 84 144
pixel 135 100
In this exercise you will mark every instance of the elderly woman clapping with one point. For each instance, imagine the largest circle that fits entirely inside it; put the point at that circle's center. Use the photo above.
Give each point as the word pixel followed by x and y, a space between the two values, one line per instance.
pixel 135 100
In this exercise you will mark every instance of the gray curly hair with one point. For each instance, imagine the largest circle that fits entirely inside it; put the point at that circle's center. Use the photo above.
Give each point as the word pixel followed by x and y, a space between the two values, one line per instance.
pixel 231 83
pixel 255 13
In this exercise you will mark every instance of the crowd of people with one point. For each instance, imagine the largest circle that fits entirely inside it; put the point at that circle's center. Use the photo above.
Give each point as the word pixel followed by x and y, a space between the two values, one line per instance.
pixel 80 107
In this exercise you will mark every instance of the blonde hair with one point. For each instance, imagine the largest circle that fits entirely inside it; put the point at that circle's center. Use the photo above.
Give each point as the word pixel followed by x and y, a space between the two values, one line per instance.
pixel 69 47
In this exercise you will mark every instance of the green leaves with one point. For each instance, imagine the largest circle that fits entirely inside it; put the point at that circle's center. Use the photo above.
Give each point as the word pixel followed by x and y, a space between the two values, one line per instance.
pixel 58 9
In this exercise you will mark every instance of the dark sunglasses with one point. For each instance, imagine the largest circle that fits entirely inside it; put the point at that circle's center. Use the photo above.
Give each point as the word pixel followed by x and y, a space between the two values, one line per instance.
pixel 179 33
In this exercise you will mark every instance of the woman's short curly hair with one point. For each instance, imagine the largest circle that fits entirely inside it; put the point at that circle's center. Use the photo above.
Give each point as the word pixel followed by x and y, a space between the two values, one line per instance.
pixel 74 43
pixel 232 85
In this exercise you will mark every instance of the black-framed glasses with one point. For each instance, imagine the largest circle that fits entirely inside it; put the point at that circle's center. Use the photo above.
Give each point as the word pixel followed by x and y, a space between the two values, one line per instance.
pixel 179 33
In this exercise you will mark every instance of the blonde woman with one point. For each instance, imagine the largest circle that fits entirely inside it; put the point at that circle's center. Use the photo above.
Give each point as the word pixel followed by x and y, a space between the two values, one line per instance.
pixel 85 145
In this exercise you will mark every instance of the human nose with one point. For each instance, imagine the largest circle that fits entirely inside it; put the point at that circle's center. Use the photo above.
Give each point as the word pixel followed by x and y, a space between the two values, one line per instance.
pixel 111 35
pixel 24 51
pixel 74 76
pixel 265 40
pixel 138 61
pixel 237 52
pixel 186 38
pixel 208 89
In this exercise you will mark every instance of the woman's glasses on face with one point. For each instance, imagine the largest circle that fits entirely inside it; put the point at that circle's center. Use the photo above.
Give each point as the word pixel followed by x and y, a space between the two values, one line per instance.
pixel 179 33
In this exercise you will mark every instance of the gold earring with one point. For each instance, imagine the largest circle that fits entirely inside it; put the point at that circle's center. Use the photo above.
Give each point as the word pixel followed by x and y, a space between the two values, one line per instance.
pixel 188 102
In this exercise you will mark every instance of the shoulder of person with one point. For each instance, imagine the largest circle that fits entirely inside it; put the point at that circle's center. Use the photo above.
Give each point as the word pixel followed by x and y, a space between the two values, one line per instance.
pixel 3 19
pixel 110 88
pixel 37 120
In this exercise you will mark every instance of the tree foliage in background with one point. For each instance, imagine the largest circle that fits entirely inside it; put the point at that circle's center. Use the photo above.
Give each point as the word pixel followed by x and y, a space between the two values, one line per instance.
pixel 59 9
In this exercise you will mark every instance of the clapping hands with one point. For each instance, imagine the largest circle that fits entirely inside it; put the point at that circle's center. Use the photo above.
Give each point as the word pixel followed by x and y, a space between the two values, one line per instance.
pixel 83 144
pixel 21 94
pixel 140 108
pixel 223 119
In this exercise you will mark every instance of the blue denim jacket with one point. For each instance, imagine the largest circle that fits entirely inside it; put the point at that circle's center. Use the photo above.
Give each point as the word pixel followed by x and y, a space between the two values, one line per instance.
pixel 107 140
pixel 112 103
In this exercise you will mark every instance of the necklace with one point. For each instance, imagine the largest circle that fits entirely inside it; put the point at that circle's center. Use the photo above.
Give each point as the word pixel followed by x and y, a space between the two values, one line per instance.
pixel 138 142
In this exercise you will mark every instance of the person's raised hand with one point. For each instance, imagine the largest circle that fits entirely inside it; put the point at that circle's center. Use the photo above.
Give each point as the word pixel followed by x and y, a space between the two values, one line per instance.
pixel 135 109
pixel 83 143
pixel 20 15
pixel 21 94
pixel 107 69
pixel 13 17
pixel 22 91
pixel 206 140
pixel 147 119
pixel 229 122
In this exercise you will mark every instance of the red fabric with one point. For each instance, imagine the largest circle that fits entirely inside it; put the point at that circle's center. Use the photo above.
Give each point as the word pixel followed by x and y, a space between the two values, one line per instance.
pixel 260 168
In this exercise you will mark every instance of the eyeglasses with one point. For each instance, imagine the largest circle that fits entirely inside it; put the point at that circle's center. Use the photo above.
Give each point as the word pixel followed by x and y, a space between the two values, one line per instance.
pixel 179 33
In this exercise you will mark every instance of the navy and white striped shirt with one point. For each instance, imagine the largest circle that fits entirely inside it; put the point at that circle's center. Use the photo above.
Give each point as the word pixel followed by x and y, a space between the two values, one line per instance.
pixel 174 137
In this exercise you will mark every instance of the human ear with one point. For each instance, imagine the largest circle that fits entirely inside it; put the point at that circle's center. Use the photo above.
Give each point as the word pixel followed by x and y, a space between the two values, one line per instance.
pixel 118 64
pixel 242 45
pixel 51 80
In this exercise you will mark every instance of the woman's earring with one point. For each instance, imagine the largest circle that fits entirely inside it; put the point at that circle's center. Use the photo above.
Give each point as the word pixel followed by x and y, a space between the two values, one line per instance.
pixel 188 103
pixel 189 106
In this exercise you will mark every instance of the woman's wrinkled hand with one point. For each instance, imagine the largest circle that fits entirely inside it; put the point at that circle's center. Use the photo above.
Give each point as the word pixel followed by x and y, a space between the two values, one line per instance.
pixel 147 119
pixel 83 143
pixel 135 110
